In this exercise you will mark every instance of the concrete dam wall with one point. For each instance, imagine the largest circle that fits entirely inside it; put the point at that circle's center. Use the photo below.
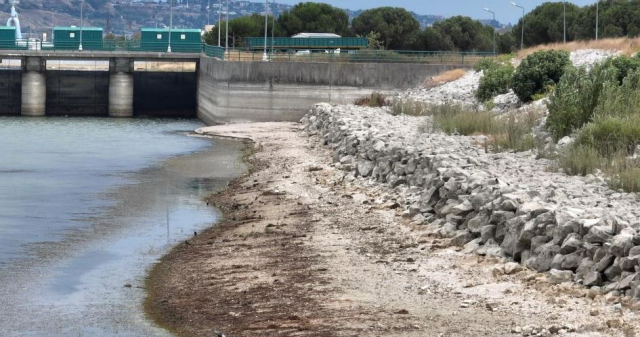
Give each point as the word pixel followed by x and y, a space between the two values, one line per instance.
pixel 234 92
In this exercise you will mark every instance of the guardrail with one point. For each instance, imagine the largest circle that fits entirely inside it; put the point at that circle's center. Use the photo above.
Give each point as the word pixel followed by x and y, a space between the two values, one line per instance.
pixel 214 51
pixel 359 56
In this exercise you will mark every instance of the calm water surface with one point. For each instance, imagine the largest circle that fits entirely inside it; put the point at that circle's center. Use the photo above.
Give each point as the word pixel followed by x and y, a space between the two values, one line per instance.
pixel 86 206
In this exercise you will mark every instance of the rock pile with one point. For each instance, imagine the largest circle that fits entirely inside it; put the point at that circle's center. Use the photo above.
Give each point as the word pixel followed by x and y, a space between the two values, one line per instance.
pixel 499 204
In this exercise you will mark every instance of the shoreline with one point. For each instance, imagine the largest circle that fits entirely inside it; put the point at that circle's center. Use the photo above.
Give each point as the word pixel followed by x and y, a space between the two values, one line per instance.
pixel 307 250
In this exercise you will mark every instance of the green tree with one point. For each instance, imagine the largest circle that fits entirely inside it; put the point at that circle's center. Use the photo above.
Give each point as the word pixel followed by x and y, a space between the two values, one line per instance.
pixel 466 34
pixel 239 29
pixel 545 24
pixel 432 40
pixel 398 29
pixel 311 17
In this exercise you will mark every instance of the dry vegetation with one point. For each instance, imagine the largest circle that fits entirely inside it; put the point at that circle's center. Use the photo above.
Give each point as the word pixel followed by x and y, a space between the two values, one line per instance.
pixel 625 45
pixel 447 76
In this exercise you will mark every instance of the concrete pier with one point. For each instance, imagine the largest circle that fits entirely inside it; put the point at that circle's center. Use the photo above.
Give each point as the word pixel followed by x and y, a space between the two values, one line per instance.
pixel 34 87
pixel 121 87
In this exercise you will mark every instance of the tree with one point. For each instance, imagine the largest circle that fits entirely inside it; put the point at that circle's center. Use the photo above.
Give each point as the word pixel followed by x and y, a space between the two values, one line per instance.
pixel 311 17
pixel 398 29
pixel 545 24
pixel 240 28
pixel 466 34
pixel 431 39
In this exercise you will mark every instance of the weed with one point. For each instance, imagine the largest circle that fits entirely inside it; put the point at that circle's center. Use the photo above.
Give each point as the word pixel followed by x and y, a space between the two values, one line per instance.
pixel 376 99
pixel 579 160
pixel 408 107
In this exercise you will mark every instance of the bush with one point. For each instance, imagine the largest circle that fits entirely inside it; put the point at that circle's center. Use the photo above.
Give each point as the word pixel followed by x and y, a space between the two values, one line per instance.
pixel 576 97
pixel 611 135
pixel 537 71
pixel 496 81
pixel 579 160
pixel 485 64
pixel 625 65
pixel 376 99
pixel 625 175
pixel 620 100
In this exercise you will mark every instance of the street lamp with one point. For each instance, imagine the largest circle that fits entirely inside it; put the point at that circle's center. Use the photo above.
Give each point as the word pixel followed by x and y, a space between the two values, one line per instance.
pixel 494 28
pixel 564 19
pixel 273 25
pixel 226 39
pixel 266 18
pixel 81 24
pixel 170 25
pixel 597 17
pixel 522 34
pixel 219 19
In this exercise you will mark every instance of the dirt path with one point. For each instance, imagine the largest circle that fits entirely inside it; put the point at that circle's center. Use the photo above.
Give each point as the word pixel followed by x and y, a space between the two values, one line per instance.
pixel 305 252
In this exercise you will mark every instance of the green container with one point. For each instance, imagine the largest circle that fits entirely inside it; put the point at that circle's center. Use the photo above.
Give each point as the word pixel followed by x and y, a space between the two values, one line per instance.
pixel 182 40
pixel 7 37
pixel 68 38
pixel 308 42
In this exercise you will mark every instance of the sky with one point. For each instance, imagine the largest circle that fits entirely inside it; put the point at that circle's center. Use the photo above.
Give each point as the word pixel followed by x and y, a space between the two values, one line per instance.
pixel 505 12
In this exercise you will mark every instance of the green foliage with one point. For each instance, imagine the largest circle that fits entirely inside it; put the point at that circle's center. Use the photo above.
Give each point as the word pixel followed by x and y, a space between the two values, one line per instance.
pixel 312 17
pixel 506 43
pixel 485 64
pixel 408 107
pixel 496 80
pixel 537 71
pixel 396 26
pixel 579 160
pixel 617 19
pixel 458 33
pixel 374 39
pixel 611 135
pixel 544 24
pixel 624 65
pixel 576 97
pixel 240 28
pixel 624 175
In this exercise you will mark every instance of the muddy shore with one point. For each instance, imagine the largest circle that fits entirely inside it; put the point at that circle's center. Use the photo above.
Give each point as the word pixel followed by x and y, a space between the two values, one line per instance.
pixel 303 251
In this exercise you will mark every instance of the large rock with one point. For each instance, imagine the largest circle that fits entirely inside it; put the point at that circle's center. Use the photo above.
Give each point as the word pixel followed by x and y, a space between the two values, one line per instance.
pixel 559 276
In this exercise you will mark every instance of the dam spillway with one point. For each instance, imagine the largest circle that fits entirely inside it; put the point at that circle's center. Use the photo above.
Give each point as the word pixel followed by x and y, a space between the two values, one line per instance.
pixel 214 90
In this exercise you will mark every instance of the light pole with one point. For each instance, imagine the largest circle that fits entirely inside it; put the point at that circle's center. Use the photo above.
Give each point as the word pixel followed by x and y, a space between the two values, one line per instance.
pixel 522 34
pixel 209 13
pixel 494 28
pixel 219 19
pixel 266 20
pixel 564 19
pixel 226 39
pixel 597 17
pixel 81 23
pixel 170 24
pixel 273 25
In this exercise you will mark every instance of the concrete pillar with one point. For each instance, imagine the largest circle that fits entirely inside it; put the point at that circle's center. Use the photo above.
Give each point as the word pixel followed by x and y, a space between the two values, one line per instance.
pixel 120 87
pixel 34 87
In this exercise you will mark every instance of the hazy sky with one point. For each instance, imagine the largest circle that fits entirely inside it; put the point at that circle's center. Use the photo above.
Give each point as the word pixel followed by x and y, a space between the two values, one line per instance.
pixel 505 12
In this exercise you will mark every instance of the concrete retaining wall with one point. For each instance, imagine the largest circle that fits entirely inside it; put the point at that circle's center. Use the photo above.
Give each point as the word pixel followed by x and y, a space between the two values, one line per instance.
pixel 80 93
pixel 232 92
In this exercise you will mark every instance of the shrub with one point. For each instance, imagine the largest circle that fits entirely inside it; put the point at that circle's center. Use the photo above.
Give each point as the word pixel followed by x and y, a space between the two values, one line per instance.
pixel 611 135
pixel 485 64
pixel 625 65
pixel 376 99
pixel 537 71
pixel 496 81
pixel 625 175
pixel 620 100
pixel 576 97
pixel 579 160
pixel 407 107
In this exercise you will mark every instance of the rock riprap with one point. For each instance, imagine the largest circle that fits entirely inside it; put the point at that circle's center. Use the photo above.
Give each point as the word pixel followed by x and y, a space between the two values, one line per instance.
pixel 508 205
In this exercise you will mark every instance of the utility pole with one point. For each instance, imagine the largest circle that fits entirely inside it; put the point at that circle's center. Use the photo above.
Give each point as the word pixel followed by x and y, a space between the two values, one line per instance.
pixel 266 28
pixel 273 25
pixel 494 29
pixel 209 13
pixel 522 34
pixel 219 19
pixel 170 24
pixel 81 23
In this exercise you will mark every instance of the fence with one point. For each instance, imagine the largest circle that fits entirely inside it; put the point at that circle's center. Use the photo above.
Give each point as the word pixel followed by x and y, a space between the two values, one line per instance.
pixel 359 56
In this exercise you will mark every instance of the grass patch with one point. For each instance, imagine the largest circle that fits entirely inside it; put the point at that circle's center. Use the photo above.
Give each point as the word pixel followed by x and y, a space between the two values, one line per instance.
pixel 411 108
pixel 579 160
pixel 374 100
pixel 625 45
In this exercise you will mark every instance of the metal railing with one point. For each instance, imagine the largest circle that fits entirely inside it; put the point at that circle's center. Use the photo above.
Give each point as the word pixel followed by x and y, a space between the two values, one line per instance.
pixel 214 51
pixel 104 45
pixel 359 56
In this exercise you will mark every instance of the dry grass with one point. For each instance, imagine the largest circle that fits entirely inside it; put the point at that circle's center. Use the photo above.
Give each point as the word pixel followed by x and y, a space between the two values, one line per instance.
pixel 447 76
pixel 625 45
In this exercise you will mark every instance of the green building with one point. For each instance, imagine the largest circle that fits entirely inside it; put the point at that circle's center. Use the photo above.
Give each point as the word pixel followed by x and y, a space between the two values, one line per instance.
pixel 69 38
pixel 7 37
pixel 182 40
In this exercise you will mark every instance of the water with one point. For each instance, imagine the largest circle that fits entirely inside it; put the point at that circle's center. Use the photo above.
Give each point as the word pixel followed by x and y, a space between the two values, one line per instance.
pixel 86 206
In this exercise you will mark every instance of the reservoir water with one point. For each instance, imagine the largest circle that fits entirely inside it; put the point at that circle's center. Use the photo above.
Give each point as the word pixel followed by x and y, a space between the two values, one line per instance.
pixel 87 205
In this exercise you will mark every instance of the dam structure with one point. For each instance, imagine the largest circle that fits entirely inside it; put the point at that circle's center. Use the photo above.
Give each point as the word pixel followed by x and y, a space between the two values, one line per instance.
pixel 214 90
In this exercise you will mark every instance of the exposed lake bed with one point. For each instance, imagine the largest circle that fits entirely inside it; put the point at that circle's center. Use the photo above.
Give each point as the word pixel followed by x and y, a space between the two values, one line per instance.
pixel 87 206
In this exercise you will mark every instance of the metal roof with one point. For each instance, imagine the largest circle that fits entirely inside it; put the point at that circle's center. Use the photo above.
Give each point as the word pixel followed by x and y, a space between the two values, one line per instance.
pixel 316 35
pixel 77 28
pixel 176 30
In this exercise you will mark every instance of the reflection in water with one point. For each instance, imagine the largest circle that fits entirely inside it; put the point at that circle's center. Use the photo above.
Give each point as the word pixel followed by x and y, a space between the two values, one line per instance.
pixel 89 205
